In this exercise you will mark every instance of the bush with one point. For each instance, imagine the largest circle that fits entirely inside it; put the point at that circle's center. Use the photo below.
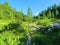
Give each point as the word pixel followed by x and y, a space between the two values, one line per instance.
pixel 45 22
pixel 12 26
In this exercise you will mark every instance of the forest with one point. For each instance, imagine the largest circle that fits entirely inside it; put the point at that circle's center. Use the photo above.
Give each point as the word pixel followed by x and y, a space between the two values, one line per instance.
pixel 17 28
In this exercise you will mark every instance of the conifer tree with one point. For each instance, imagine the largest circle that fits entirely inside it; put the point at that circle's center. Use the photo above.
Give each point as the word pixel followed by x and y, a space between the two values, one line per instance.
pixel 49 14
pixel 57 12
pixel 52 15
pixel 29 13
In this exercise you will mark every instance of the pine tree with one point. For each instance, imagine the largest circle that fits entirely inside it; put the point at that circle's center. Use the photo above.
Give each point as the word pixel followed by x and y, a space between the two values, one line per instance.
pixel 29 13
pixel 44 15
pixel 7 4
pixel 49 14
pixel 52 15
pixel 57 12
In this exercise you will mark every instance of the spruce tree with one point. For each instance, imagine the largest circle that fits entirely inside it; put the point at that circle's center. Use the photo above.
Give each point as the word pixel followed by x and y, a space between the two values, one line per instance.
pixel 49 14
pixel 52 15
pixel 29 13
pixel 57 12
pixel 44 15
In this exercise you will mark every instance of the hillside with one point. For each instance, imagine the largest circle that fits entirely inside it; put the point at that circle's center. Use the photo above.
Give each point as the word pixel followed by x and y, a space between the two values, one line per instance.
pixel 16 28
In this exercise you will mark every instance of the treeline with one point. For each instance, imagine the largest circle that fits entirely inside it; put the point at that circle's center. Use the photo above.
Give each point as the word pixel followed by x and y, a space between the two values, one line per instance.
pixel 51 12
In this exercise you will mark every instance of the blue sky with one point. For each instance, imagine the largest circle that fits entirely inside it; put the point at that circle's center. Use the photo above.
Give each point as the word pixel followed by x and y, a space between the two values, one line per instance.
pixel 35 5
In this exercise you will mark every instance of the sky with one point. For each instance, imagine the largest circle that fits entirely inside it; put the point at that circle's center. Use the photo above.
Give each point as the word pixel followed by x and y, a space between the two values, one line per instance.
pixel 35 5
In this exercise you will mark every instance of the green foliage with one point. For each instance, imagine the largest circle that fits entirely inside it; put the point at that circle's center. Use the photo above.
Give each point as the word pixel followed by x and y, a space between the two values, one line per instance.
pixel 45 22
pixel 15 26
pixel 44 15
pixel 57 12
pixel 12 26
pixel 13 34
pixel 29 13
pixel 49 14
pixel 51 38
pixel 52 15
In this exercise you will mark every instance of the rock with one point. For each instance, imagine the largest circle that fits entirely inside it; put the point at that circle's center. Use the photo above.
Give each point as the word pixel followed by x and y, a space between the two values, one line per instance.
pixel 57 25
pixel 49 29
pixel 42 29
pixel 51 26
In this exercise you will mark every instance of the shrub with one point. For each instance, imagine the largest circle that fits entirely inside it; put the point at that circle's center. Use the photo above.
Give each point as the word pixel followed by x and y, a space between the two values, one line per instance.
pixel 12 26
